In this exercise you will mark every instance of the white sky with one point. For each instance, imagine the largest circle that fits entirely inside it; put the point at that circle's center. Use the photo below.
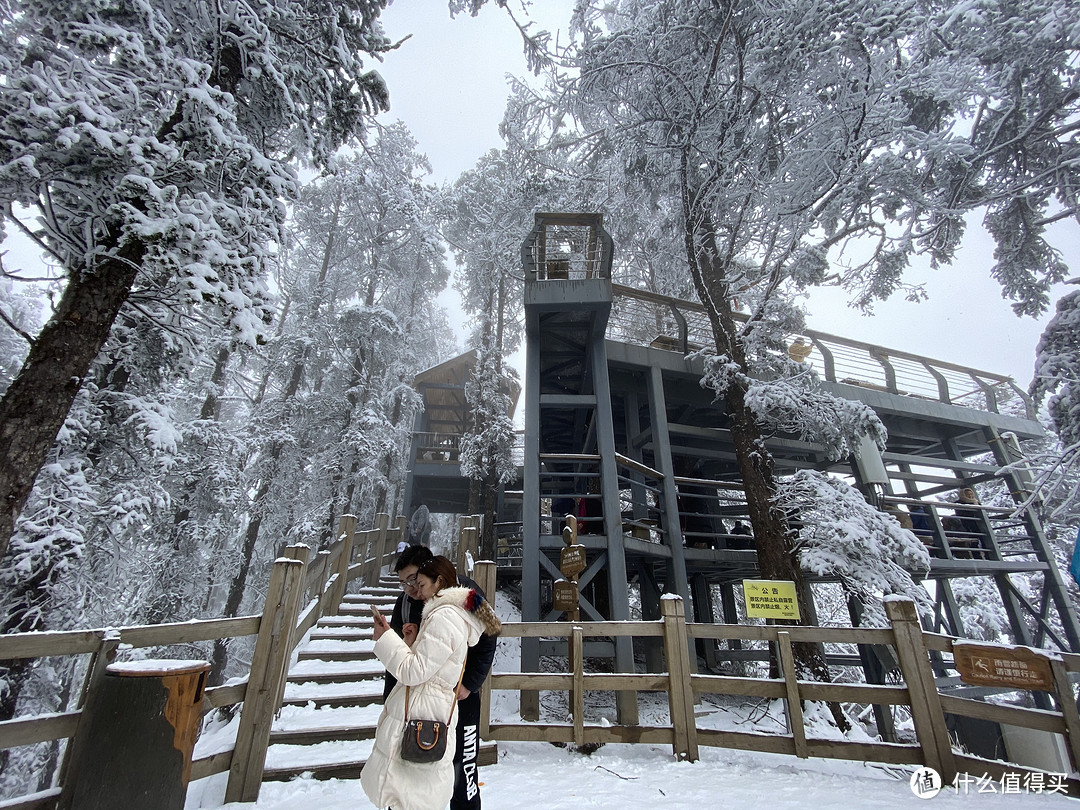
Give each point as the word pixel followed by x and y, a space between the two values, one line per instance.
pixel 448 85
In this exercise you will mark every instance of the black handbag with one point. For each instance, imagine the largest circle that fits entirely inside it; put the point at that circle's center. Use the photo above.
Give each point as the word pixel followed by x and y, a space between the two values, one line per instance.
pixel 425 740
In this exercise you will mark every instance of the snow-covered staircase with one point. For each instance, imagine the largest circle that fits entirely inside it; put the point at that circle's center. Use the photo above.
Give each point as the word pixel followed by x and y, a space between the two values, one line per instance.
pixel 333 695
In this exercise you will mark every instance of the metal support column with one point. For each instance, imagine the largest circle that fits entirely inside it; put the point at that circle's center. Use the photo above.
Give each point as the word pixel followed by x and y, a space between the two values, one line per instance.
pixel 530 527
pixel 662 460
pixel 626 702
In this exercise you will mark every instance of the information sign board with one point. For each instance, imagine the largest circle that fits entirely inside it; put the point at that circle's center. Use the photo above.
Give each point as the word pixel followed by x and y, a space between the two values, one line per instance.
pixel 993 665
pixel 771 599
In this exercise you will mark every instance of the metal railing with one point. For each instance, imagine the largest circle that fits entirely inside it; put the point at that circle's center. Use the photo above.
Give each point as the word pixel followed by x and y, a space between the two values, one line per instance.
pixel 567 247
pixel 437 447
pixel 649 319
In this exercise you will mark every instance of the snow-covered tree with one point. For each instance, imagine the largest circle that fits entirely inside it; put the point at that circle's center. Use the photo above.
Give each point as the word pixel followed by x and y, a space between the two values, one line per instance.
pixel 491 206
pixel 779 136
pixel 329 425
pixel 842 536
pixel 151 147
pixel 488 443
pixel 189 459
pixel 1057 381
pixel 20 315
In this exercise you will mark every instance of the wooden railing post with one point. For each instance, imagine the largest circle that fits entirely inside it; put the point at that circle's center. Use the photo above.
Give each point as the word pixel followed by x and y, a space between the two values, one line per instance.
pixel 365 541
pixel 322 563
pixel 346 536
pixel 485 578
pixel 794 702
pixel 577 691
pixel 467 540
pixel 378 550
pixel 269 665
pixel 926 712
pixel 680 693
pixel 1067 706
pixel 400 532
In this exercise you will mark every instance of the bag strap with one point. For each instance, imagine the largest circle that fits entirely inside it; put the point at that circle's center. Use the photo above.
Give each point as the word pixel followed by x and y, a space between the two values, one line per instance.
pixel 453 704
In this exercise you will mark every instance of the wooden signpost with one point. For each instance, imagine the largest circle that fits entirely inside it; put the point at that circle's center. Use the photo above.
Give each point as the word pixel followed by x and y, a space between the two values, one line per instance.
pixel 572 561
pixel 571 564
pixel 566 596
pixel 1000 665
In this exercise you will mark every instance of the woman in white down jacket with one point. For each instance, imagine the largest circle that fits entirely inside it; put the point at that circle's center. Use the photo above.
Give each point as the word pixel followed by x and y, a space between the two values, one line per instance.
pixel 454 618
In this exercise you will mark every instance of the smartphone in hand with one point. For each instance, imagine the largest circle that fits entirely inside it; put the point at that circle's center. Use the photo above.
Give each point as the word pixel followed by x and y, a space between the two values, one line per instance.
pixel 381 625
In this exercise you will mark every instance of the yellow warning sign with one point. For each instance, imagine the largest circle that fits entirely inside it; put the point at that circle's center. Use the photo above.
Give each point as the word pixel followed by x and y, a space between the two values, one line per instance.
pixel 771 599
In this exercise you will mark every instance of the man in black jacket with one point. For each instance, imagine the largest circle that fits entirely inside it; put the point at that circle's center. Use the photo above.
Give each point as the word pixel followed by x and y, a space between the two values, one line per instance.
pixel 409 611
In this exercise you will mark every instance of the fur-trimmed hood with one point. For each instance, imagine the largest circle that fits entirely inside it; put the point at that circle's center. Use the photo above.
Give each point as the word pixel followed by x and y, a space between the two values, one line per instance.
pixel 456 598
pixel 472 602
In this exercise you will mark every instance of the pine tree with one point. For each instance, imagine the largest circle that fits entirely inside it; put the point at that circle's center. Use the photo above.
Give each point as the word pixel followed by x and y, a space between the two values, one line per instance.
pixel 153 146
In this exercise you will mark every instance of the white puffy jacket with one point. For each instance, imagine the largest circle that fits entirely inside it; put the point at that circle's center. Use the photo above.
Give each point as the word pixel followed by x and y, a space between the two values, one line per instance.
pixel 431 668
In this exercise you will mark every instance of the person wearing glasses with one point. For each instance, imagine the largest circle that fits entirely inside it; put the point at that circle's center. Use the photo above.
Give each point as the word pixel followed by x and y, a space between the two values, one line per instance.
pixel 428 673
pixel 405 620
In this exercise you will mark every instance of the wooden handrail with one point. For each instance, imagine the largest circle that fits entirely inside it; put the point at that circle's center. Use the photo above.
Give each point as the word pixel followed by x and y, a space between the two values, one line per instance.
pixel 288 612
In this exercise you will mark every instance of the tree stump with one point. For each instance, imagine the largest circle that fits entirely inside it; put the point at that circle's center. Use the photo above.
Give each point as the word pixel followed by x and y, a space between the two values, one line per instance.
pixel 135 739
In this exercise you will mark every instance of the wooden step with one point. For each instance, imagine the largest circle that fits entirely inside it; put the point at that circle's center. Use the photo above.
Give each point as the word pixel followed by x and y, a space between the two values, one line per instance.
pixel 382 597
pixel 337 677
pixel 335 655
pixel 350 620
pixel 340 633
pixel 336 701
pixel 314 736
pixel 361 609
pixel 336 770
pixel 488 755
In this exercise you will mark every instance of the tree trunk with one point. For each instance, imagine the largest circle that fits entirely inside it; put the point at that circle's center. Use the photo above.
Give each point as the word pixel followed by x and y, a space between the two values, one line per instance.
pixel 772 537
pixel 220 658
pixel 34 408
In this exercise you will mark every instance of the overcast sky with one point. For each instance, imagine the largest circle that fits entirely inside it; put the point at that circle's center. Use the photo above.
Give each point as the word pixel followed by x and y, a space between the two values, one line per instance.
pixel 447 83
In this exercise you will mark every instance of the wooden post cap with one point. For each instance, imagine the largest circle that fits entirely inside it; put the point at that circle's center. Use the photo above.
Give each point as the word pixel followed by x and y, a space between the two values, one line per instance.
pixel 155 668
pixel 899 609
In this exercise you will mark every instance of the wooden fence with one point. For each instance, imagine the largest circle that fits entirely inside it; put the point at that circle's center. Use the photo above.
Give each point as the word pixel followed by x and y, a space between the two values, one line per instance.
pixel 918 691
pixel 303 586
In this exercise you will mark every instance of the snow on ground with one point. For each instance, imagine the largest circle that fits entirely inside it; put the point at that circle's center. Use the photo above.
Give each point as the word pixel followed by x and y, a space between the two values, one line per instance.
pixel 532 775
